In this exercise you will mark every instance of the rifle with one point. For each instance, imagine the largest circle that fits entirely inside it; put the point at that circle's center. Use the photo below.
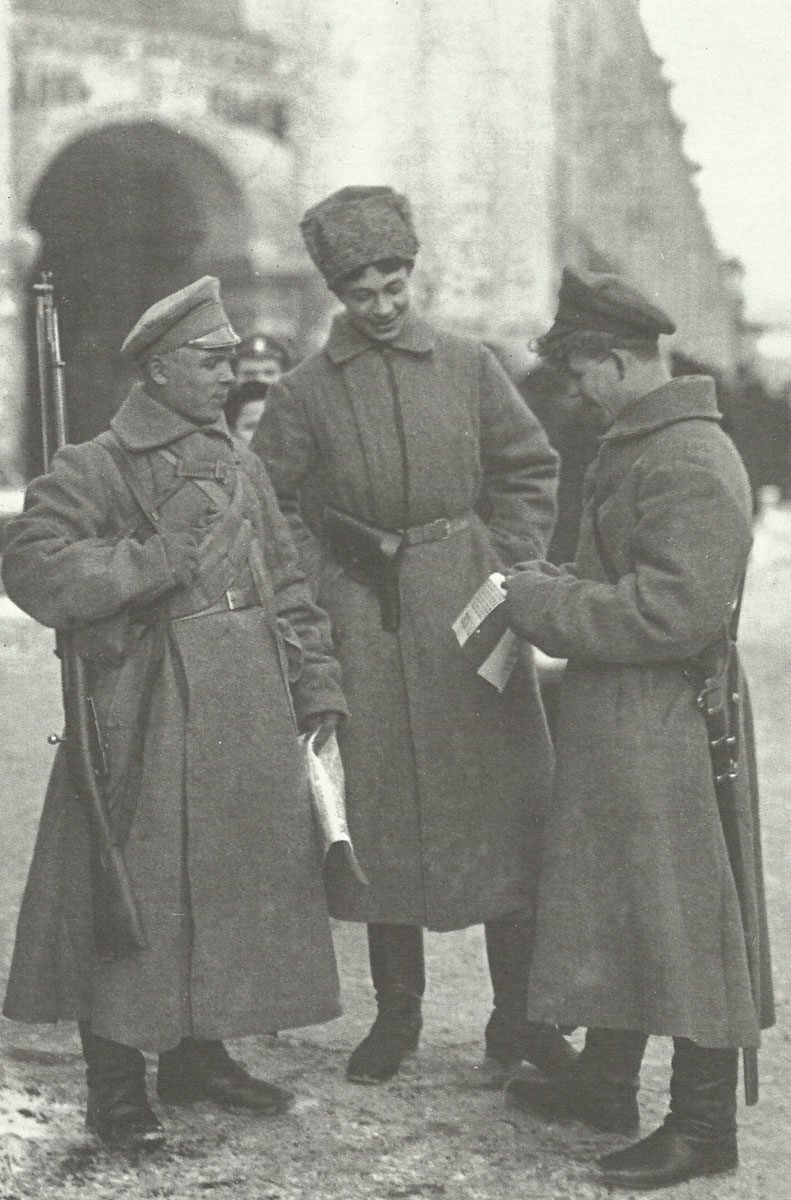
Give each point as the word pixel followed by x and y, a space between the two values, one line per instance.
pixel 117 928
pixel 716 675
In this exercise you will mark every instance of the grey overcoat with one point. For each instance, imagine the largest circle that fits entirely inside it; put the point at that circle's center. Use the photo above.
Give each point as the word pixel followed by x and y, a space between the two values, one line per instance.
pixel 638 920
pixel 447 779
pixel 221 851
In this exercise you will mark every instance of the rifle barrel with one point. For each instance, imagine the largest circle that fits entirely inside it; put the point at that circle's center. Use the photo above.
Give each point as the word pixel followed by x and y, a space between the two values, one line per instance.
pixel 43 291
pixel 117 926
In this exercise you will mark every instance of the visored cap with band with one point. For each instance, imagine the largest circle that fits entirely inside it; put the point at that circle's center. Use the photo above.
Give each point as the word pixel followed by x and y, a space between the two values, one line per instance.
pixel 604 303
pixel 193 316
pixel 264 345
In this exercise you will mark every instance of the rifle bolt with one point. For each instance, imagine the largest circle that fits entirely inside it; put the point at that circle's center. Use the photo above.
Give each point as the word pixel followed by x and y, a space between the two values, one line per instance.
pixel 54 739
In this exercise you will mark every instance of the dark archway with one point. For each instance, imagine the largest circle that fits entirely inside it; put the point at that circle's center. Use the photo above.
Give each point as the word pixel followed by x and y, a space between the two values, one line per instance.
pixel 126 214
pixel 194 16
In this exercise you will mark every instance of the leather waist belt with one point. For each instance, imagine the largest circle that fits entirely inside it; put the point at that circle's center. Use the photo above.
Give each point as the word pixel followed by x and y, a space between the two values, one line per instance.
pixel 232 600
pixel 373 556
pixel 434 531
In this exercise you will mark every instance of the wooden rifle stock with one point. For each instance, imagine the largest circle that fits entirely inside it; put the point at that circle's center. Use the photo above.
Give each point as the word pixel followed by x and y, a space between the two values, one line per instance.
pixel 718 699
pixel 117 928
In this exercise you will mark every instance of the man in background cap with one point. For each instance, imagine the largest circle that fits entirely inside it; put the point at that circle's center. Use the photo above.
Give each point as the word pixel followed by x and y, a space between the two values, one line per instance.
pixel 410 469
pixel 262 357
pixel 639 924
pixel 259 360
pixel 159 545
pixel 245 407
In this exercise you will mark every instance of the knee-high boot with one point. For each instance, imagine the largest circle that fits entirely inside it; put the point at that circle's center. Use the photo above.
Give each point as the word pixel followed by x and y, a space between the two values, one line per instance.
pixel 118 1108
pixel 698 1136
pixel 599 1089
pixel 398 974
pixel 510 1038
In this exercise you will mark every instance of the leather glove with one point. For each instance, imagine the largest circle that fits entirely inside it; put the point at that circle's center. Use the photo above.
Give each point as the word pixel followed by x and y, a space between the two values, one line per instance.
pixel 323 724
pixel 181 551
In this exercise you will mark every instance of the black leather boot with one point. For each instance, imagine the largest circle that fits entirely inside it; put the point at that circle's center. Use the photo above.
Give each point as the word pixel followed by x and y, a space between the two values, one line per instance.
pixel 599 1089
pixel 118 1109
pixel 398 973
pixel 698 1136
pixel 510 1038
pixel 199 1069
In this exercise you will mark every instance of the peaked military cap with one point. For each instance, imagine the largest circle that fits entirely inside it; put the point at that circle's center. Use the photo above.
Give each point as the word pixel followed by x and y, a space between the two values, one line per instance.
pixel 605 304
pixel 357 226
pixel 193 316
pixel 263 345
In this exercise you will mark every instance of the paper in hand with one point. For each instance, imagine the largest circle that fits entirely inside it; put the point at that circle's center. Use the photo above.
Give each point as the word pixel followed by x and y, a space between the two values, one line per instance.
pixel 484 636
pixel 328 794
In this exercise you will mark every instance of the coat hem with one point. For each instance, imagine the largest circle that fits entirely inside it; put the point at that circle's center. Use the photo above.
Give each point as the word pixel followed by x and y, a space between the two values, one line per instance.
pixel 260 1026
pixel 522 910
pixel 715 1039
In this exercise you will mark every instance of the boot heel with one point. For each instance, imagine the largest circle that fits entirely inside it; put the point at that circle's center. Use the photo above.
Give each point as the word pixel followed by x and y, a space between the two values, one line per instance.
pixel 666 1157
pixel 393 1038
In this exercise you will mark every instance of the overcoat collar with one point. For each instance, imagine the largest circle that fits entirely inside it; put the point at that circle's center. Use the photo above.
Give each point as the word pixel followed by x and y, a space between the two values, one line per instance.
pixel 346 342
pixel 142 423
pixel 681 399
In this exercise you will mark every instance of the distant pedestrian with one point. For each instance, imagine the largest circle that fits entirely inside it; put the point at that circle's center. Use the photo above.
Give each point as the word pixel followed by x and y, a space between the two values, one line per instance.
pixel 244 408
pixel 262 358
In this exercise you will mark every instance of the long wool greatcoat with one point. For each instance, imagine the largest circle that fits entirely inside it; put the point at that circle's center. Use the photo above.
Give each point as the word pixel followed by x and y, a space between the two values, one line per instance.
pixel 221 851
pixel 638 919
pixel 447 779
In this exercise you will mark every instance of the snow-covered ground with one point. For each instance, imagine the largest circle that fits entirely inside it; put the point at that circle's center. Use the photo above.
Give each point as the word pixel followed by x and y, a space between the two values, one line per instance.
pixel 433 1132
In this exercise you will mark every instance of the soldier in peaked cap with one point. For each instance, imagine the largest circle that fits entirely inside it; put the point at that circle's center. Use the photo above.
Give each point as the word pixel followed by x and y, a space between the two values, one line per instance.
pixel 262 358
pixel 410 469
pixel 259 360
pixel 640 926
pixel 160 544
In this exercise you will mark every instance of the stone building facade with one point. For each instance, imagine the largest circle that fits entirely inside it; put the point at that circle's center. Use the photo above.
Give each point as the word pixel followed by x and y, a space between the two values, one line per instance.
pixel 145 142
pixel 626 198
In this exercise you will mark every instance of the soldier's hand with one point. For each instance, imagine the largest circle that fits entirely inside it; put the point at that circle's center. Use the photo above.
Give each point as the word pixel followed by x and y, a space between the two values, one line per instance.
pixel 323 724
pixel 181 551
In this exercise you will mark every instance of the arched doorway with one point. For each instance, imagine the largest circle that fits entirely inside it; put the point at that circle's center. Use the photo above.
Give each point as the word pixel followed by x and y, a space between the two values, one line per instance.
pixel 127 214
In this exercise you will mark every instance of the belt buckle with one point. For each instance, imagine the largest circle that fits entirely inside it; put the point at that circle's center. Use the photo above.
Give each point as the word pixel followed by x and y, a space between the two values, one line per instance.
pixel 442 526
pixel 229 598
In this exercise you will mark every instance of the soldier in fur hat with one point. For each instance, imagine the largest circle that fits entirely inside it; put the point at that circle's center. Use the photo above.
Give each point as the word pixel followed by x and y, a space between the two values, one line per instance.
pixel 410 469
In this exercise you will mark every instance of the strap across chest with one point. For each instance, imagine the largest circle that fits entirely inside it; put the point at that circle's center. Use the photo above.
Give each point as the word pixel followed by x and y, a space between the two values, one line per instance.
pixel 225 541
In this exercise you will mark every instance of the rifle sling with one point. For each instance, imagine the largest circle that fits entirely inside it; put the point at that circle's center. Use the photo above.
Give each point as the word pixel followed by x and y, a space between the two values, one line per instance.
pixel 122 804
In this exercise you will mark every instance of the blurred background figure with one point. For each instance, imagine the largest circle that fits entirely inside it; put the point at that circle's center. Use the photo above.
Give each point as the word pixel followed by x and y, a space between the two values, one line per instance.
pixel 263 358
pixel 245 407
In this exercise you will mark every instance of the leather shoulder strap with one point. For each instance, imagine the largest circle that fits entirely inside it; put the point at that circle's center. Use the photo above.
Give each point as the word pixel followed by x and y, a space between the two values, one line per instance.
pixel 126 469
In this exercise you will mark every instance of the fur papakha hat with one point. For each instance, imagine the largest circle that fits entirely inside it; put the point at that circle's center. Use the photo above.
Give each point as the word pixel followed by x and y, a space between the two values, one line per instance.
pixel 357 226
